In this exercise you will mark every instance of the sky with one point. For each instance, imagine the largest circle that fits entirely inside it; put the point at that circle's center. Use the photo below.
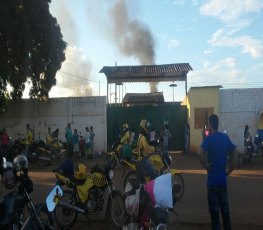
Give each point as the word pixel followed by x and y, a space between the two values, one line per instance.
pixel 222 40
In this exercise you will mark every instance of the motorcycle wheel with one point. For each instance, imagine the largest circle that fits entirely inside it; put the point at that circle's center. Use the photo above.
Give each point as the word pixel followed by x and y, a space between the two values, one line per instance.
pixel 116 209
pixel 44 216
pixel 130 176
pixel 111 161
pixel 65 217
pixel 178 182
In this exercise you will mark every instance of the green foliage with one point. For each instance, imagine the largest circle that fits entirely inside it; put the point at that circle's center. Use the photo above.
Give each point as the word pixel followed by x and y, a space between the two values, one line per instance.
pixel 31 47
pixel 3 102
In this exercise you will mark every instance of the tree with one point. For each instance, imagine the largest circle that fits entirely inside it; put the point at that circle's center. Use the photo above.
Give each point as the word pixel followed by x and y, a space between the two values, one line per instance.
pixel 31 48
pixel 3 102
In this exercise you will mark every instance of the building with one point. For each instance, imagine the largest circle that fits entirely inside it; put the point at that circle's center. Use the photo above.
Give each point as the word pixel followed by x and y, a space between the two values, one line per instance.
pixel 235 108
pixel 133 99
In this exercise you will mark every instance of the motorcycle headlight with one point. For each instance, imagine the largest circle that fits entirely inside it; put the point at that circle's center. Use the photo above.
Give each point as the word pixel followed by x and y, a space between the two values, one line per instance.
pixel 111 174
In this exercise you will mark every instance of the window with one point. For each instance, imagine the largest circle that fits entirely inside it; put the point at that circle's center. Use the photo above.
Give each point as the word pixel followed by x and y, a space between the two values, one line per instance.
pixel 201 117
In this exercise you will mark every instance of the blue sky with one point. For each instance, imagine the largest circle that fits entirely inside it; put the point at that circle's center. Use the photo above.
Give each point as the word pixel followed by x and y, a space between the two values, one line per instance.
pixel 221 39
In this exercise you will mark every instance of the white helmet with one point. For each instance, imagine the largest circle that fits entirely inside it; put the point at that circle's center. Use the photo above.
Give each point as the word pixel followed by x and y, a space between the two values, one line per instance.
pixel 145 125
pixel 20 162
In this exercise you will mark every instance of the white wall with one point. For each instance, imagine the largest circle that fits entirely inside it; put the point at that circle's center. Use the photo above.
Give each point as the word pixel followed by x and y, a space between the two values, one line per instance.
pixel 56 113
pixel 237 108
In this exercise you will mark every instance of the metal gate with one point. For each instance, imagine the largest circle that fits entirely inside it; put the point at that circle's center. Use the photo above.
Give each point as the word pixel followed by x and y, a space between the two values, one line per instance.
pixel 172 113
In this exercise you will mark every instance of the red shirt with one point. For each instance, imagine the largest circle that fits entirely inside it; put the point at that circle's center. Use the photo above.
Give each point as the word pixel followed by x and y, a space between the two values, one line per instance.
pixel 5 138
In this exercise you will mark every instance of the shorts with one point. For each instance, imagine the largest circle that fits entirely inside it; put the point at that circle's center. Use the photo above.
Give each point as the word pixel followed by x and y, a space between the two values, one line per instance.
pixel 75 147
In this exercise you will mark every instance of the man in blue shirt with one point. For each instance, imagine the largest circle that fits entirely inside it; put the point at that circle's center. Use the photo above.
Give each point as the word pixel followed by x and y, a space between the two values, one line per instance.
pixel 217 154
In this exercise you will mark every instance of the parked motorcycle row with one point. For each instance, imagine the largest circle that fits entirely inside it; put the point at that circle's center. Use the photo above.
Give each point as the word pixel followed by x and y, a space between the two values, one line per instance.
pixel 80 191
pixel 38 152
pixel 253 148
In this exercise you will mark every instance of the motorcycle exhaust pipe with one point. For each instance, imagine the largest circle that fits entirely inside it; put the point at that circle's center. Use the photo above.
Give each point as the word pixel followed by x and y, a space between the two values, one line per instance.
pixel 69 206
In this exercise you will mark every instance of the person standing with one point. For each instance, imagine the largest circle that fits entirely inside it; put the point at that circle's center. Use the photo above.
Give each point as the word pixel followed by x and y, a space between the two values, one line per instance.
pixel 153 137
pixel 186 138
pixel 92 135
pixel 87 143
pixel 28 138
pixel 68 136
pixel 246 135
pixel 166 137
pixel 213 155
pixel 49 139
pixel 4 141
pixel 133 141
pixel 75 141
pixel 160 144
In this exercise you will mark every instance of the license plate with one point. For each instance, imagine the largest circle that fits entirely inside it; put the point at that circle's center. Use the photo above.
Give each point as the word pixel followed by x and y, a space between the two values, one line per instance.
pixel 53 197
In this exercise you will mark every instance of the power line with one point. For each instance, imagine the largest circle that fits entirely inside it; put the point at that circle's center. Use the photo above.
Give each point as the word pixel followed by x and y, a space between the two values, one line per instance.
pixel 72 75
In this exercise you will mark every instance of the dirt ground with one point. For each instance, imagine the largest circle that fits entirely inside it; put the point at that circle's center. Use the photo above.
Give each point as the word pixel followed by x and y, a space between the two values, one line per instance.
pixel 245 188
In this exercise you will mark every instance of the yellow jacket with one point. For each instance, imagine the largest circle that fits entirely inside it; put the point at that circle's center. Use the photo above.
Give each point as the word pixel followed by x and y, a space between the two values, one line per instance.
pixel 126 138
pixel 49 139
pixel 29 137
pixel 143 147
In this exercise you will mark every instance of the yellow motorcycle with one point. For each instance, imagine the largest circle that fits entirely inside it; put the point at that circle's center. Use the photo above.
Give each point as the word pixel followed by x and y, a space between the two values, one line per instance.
pixel 57 151
pixel 126 152
pixel 161 164
pixel 91 193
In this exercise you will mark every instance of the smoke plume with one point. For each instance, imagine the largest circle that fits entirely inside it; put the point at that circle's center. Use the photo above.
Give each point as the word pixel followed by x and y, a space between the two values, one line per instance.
pixel 133 38
pixel 73 79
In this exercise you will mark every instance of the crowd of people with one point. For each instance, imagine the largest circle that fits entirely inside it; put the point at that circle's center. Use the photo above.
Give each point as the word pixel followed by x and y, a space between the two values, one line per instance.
pixel 154 140
pixel 73 140
pixel 78 145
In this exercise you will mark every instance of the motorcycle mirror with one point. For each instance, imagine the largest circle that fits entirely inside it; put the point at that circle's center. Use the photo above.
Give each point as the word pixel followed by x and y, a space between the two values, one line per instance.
pixel 53 198
pixel 6 164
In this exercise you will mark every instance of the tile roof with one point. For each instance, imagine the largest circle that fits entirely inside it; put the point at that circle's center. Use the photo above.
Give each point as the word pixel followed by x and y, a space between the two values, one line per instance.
pixel 146 73
pixel 143 98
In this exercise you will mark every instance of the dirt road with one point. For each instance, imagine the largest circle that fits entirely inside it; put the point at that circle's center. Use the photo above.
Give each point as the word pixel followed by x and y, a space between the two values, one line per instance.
pixel 245 187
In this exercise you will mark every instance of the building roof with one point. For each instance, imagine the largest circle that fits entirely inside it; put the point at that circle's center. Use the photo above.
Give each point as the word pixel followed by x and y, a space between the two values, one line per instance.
pixel 143 98
pixel 207 86
pixel 146 73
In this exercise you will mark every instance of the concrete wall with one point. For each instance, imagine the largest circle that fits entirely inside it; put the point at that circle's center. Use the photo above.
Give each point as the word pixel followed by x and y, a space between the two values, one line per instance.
pixel 56 113
pixel 200 97
pixel 240 107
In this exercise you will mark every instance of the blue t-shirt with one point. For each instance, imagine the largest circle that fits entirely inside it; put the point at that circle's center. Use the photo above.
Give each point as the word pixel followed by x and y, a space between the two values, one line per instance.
pixel 68 134
pixel 75 138
pixel 218 146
